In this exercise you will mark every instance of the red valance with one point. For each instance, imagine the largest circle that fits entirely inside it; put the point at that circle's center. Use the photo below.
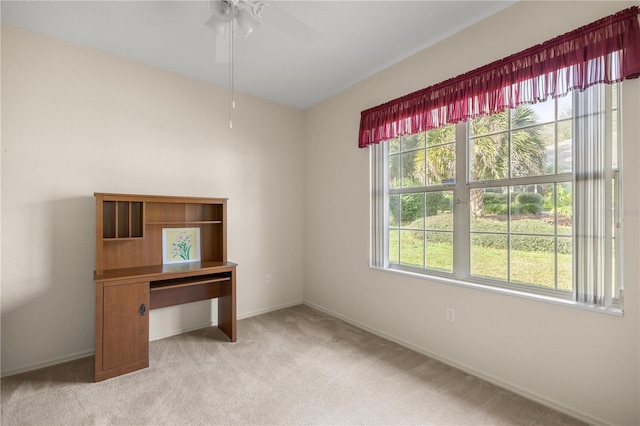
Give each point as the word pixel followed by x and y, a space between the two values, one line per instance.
pixel 605 51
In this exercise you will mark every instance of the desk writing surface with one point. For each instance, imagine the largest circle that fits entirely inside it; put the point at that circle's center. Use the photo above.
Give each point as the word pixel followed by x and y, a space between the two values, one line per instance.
pixel 174 270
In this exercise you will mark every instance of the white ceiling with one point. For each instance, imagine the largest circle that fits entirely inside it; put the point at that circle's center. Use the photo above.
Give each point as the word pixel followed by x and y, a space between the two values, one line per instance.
pixel 302 53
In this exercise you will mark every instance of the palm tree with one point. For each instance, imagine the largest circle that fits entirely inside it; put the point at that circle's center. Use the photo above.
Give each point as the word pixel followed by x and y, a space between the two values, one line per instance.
pixel 441 154
pixel 490 154
pixel 440 157
pixel 493 156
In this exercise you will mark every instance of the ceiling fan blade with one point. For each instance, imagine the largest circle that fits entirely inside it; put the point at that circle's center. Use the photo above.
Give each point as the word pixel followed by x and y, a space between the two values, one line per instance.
pixel 219 22
pixel 288 24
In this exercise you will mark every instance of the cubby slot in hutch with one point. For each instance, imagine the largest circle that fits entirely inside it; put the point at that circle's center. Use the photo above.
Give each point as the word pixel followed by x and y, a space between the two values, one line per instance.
pixel 122 219
pixel 131 277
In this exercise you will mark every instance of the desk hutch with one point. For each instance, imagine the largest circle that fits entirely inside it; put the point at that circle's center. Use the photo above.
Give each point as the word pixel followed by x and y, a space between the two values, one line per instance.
pixel 131 278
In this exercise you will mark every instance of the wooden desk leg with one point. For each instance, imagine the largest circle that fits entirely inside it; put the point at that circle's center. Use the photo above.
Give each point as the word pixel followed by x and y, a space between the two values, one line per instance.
pixel 227 308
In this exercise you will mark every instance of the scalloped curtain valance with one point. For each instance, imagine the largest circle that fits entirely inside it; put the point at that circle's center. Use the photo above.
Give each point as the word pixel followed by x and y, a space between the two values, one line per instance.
pixel 605 51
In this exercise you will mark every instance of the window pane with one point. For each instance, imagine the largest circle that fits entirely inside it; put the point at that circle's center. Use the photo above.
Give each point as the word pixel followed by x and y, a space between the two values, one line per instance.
pixel 614 139
pixel 528 115
pixel 565 107
pixel 413 169
pixel 439 251
pixel 614 232
pixel 565 263
pixel 490 124
pixel 532 151
pixel 565 146
pixel 441 136
pixel 442 162
pixel 412 214
pixel 394 244
pixel 412 248
pixel 489 209
pixel 489 157
pixel 533 260
pixel 489 256
pixel 394 146
pixel 439 210
pixel 528 214
pixel 410 142
pixel 394 171
pixel 394 211
pixel 564 203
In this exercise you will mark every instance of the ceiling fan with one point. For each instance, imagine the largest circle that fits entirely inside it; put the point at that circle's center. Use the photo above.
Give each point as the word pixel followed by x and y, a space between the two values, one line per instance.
pixel 224 14
pixel 247 17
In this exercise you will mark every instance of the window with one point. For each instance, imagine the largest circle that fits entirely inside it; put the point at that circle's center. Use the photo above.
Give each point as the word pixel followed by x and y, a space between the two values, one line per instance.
pixel 500 200
pixel 523 193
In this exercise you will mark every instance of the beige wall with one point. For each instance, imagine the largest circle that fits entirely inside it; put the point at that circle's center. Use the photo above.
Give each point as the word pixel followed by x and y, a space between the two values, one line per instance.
pixel 582 362
pixel 77 121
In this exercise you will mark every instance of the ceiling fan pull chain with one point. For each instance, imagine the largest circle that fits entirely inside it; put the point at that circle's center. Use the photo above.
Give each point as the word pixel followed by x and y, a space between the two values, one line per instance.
pixel 231 100
pixel 232 50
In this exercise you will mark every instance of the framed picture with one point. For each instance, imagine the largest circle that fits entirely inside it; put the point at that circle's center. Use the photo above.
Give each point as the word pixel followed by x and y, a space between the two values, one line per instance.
pixel 180 245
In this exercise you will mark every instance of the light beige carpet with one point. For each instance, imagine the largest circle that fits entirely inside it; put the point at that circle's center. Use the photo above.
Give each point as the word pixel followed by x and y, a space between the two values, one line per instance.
pixel 293 366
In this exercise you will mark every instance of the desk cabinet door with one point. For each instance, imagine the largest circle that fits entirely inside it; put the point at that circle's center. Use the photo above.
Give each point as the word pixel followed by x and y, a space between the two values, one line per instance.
pixel 125 325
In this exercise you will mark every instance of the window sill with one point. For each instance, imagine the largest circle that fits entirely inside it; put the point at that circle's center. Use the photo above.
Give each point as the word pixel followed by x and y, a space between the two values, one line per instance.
pixel 614 310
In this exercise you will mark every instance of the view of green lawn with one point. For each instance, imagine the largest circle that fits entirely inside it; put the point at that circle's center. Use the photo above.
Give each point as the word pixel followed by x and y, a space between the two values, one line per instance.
pixel 533 258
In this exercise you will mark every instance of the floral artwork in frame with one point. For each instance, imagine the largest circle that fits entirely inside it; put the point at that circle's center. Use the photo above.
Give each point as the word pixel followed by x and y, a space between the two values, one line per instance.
pixel 180 245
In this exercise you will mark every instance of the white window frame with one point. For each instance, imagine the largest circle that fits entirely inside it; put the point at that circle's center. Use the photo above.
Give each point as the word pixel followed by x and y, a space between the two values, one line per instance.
pixel 379 258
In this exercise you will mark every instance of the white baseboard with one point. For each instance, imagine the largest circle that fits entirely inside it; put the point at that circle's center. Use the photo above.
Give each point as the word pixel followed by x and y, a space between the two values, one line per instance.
pixel 270 309
pixel 48 363
pixel 505 385
pixel 164 335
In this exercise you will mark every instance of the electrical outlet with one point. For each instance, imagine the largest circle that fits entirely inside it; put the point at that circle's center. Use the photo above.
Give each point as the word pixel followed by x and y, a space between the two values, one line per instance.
pixel 268 279
pixel 451 315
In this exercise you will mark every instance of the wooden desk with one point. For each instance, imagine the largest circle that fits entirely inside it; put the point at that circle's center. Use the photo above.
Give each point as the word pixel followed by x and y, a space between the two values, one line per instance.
pixel 123 298
pixel 131 277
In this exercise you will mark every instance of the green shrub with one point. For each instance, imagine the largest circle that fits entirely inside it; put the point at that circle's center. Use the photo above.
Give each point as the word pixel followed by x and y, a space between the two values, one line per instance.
pixel 528 198
pixel 434 203
pixel 544 242
pixel 495 208
pixel 523 243
pixel 495 203
pixel 440 222
pixel 412 207
pixel 439 238
pixel 495 241
pixel 514 197
pixel 494 198
pixel 489 197
pixel 530 208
